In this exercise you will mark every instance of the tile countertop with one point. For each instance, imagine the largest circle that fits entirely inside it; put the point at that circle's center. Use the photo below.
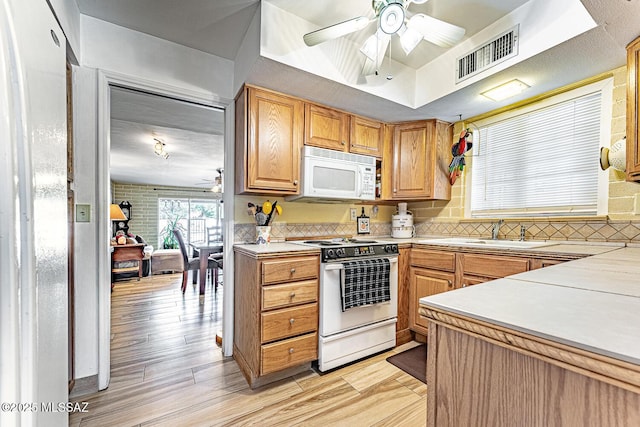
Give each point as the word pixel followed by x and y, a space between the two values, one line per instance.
pixel 561 247
pixel 591 303
pixel 273 248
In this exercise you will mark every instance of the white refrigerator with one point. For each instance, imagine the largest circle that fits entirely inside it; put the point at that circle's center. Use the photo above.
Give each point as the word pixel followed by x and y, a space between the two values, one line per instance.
pixel 33 218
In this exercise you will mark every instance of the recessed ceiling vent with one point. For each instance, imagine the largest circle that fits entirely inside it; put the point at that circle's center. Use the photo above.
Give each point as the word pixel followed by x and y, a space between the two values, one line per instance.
pixel 491 53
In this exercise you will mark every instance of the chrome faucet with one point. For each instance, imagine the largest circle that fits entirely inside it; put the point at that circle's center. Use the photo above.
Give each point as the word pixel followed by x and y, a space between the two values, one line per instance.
pixel 496 229
pixel 523 229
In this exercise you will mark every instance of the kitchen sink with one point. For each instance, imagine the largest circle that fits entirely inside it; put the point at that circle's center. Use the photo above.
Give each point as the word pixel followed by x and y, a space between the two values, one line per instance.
pixel 485 243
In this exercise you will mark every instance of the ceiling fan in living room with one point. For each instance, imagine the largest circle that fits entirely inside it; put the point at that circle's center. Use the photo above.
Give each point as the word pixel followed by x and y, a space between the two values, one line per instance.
pixel 215 183
pixel 393 17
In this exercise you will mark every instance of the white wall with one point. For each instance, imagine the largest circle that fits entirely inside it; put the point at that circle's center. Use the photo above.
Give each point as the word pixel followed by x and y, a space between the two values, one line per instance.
pixel 116 50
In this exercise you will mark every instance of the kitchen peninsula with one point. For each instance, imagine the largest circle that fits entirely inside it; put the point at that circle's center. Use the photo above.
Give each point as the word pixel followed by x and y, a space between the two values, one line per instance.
pixel 554 346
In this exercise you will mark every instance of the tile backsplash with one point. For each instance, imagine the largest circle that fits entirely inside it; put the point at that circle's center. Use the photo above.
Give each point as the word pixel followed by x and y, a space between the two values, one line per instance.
pixel 596 230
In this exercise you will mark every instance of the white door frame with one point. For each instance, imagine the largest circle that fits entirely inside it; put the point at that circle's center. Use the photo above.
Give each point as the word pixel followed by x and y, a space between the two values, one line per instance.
pixel 105 79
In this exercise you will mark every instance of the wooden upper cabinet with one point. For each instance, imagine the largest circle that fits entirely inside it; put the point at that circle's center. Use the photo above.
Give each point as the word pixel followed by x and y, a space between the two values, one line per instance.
pixel 419 163
pixel 326 128
pixel 367 137
pixel 633 98
pixel 269 132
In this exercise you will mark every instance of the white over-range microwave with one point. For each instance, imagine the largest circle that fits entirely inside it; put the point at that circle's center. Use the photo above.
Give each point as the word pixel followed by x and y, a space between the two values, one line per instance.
pixel 329 175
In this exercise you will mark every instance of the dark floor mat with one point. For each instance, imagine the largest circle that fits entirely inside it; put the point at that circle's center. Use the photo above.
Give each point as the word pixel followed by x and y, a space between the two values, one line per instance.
pixel 412 361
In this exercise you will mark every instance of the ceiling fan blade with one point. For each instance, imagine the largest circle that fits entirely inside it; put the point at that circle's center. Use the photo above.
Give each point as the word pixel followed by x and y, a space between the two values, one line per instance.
pixel 436 31
pixel 334 31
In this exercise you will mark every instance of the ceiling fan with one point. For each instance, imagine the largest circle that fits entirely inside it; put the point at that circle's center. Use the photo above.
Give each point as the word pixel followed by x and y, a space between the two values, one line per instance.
pixel 393 18
pixel 216 183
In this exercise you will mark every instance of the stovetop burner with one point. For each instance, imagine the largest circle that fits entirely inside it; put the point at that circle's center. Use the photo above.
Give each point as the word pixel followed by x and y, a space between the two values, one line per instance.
pixel 339 242
pixel 335 249
pixel 322 242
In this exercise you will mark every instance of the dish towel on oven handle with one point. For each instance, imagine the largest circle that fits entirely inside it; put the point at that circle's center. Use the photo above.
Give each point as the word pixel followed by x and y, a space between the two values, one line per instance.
pixel 365 282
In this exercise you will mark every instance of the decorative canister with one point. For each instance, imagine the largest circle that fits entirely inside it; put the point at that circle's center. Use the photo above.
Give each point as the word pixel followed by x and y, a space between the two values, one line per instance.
pixel 263 234
pixel 402 223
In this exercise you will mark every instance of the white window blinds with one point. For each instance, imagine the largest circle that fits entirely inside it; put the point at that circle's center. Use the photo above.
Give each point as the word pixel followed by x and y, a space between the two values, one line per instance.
pixel 544 162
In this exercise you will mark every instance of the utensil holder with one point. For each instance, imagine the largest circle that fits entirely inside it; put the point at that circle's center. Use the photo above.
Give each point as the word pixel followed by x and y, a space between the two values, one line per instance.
pixel 263 234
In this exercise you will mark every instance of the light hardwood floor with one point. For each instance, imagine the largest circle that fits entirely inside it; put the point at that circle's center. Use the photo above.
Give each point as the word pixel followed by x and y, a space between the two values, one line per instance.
pixel 166 370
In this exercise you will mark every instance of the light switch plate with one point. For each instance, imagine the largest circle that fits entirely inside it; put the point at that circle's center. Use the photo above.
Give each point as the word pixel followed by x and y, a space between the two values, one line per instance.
pixel 354 214
pixel 83 213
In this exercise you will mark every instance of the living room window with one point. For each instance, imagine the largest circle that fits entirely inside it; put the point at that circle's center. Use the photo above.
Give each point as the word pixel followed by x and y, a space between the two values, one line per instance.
pixel 543 159
pixel 191 216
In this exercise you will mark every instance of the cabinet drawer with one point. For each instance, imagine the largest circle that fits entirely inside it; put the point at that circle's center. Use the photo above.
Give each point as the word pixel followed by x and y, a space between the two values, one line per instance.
pixel 295 293
pixel 437 260
pixel 289 269
pixel 493 266
pixel 289 322
pixel 288 353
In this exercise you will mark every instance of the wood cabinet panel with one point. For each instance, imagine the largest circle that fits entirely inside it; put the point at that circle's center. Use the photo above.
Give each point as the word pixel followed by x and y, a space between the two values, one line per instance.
pixel 633 98
pixel 289 269
pixel 420 153
pixel 277 296
pixel 289 322
pixel 287 353
pixel 410 157
pixel 493 266
pixel 268 313
pixel 473 280
pixel 366 136
pixel 481 382
pixel 425 283
pixel 403 334
pixel 269 133
pixel 438 260
pixel 326 128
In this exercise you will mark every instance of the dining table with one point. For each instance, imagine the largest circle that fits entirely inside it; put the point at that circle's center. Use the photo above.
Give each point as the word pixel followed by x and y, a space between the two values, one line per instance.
pixel 204 250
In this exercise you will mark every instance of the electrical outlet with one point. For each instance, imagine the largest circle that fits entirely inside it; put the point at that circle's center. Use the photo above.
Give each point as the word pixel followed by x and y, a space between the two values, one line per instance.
pixel 354 214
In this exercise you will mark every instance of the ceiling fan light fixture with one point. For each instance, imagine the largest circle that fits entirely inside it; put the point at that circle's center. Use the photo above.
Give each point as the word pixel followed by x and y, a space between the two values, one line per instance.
pixel 375 46
pixel 392 18
pixel 409 39
pixel 370 47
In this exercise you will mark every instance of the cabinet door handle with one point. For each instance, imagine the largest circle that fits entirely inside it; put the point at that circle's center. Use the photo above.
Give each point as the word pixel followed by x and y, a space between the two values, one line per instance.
pixel 464 285
pixel 343 143
pixel 395 190
pixel 449 283
pixel 293 270
pixel 295 182
pixel 293 295
pixel 291 350
pixel 292 320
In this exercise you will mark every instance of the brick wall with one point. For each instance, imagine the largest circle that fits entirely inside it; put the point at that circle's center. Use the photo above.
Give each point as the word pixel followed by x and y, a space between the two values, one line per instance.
pixel 144 202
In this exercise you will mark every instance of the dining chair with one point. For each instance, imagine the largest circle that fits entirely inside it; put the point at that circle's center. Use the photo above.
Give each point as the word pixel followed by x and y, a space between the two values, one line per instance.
pixel 218 261
pixel 190 264
pixel 214 234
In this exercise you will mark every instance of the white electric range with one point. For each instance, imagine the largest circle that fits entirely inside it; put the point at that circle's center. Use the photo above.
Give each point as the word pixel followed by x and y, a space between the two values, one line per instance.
pixel 345 336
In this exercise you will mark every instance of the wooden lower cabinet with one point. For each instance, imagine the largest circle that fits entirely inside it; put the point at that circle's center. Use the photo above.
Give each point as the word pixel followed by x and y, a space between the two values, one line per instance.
pixel 487 375
pixel 433 271
pixel 425 283
pixel 288 353
pixel 473 280
pixel 276 314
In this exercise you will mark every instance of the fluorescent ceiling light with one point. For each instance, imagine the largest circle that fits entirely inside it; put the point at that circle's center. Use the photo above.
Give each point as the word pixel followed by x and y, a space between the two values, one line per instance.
pixel 505 90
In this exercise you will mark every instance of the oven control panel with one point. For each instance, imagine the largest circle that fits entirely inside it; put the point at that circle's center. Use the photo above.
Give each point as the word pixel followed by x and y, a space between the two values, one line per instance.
pixel 331 254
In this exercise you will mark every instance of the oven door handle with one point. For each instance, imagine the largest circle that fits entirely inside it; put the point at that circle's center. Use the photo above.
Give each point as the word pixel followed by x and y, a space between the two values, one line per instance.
pixel 340 266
